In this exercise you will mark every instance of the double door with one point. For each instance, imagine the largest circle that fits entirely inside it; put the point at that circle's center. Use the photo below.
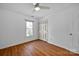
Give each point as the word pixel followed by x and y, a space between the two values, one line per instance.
pixel 43 30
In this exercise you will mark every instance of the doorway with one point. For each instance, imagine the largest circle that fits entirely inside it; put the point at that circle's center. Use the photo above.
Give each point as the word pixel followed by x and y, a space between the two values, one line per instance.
pixel 43 30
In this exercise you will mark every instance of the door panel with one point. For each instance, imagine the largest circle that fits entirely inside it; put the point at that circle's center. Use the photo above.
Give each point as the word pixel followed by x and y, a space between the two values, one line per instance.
pixel 76 35
pixel 43 29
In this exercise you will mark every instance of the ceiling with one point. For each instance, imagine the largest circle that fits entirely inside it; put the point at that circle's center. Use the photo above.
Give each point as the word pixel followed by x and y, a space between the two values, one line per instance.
pixel 27 8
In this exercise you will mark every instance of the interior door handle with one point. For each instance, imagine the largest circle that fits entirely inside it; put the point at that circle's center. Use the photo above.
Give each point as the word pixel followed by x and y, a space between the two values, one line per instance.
pixel 70 34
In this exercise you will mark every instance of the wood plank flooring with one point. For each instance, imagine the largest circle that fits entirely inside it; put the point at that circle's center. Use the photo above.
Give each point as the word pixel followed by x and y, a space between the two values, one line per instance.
pixel 36 48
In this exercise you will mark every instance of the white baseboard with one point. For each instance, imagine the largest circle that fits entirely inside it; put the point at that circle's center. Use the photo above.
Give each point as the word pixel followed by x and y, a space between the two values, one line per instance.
pixel 72 50
pixel 6 46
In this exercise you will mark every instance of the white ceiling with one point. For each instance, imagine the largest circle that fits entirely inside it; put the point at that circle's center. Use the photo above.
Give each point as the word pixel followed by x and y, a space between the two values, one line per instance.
pixel 27 8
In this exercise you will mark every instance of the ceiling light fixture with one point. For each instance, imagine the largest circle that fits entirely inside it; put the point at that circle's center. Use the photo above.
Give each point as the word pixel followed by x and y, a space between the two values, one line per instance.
pixel 37 8
pixel 34 3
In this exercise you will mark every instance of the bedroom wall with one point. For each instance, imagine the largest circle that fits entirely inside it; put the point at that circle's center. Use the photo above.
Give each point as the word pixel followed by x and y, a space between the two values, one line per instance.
pixel 60 25
pixel 12 28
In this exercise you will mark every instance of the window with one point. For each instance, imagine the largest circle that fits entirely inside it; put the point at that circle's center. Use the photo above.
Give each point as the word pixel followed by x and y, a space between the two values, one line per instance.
pixel 29 28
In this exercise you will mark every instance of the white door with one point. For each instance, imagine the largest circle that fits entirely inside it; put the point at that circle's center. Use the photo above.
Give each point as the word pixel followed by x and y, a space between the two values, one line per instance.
pixel 76 35
pixel 43 30
pixel 69 34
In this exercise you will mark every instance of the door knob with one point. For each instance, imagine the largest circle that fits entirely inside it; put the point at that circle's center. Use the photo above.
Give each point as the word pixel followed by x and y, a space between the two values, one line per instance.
pixel 70 34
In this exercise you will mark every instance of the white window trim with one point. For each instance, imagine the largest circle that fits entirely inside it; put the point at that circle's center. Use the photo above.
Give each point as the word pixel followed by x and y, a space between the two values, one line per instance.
pixel 25 27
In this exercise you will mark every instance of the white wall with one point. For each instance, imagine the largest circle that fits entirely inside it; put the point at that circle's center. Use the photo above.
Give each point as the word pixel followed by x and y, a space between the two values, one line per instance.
pixel 12 28
pixel 76 30
pixel 60 25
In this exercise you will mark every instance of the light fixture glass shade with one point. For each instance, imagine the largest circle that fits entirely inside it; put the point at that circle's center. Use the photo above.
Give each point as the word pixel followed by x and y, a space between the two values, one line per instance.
pixel 34 4
pixel 37 8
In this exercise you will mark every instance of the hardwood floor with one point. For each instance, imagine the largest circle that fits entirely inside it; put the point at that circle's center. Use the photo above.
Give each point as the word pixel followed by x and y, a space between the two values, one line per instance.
pixel 36 48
